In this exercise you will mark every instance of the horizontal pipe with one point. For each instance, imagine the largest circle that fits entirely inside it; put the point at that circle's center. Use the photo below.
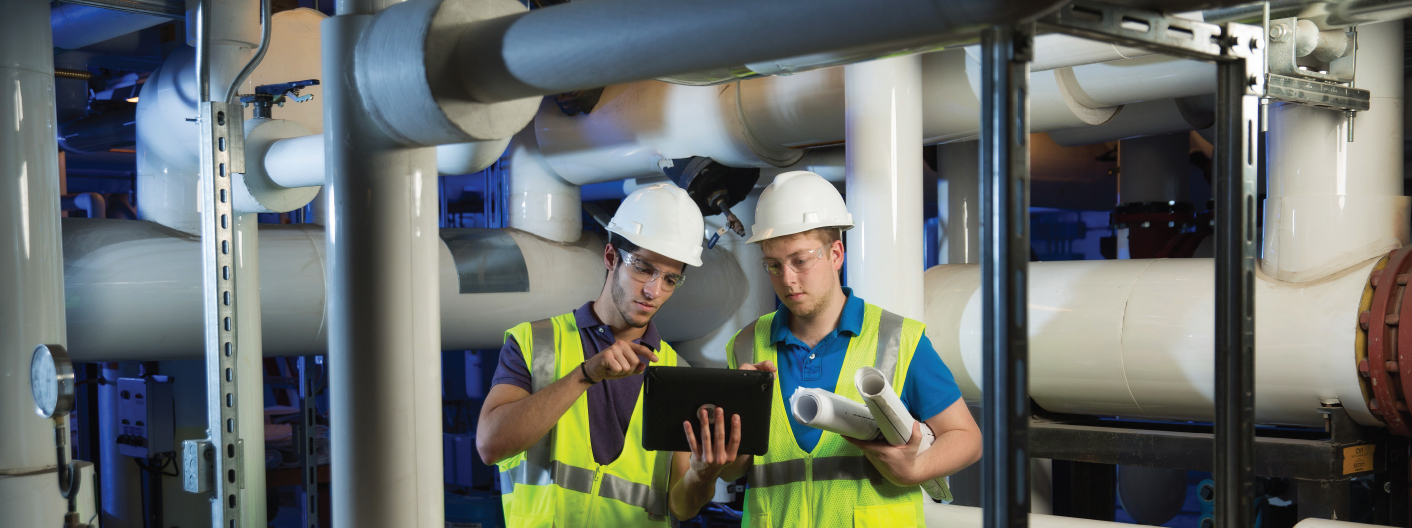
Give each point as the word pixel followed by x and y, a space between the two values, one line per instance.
pixel 953 516
pixel 556 49
pixel 297 161
pixel 131 289
pixel 1134 338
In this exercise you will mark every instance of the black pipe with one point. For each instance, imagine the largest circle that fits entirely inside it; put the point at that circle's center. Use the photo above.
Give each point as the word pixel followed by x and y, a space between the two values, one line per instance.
pixel 595 43
pixel 1006 52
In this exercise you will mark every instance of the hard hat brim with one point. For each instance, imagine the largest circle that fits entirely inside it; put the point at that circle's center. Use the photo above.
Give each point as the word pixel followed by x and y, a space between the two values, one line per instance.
pixel 778 231
pixel 671 251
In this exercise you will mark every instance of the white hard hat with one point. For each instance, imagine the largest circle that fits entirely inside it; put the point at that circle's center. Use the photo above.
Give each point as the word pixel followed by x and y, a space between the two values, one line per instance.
pixel 664 219
pixel 797 202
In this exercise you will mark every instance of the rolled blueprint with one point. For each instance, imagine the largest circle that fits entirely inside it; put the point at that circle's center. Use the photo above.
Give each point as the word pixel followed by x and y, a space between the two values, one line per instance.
pixel 895 422
pixel 825 410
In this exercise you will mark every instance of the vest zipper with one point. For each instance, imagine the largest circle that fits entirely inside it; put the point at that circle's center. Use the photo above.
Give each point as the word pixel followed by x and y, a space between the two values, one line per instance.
pixel 593 497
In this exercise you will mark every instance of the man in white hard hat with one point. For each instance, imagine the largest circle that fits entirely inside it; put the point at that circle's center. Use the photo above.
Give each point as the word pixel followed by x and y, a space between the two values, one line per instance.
pixel 563 420
pixel 819 338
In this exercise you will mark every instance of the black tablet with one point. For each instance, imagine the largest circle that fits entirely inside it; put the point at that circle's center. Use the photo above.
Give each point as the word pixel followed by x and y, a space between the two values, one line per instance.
pixel 674 394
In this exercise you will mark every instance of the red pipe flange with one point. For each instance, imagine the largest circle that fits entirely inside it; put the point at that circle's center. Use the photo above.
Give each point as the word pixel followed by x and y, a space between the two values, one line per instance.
pixel 1385 368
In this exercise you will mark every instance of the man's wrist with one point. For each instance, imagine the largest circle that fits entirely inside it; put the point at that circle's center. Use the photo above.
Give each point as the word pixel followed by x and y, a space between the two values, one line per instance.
pixel 583 370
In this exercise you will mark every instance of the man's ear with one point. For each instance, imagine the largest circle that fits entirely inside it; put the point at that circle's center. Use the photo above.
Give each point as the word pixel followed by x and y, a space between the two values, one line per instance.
pixel 838 254
pixel 610 256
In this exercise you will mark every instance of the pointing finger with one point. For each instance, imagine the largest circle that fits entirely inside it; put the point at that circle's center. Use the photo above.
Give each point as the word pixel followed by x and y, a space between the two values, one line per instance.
pixel 644 351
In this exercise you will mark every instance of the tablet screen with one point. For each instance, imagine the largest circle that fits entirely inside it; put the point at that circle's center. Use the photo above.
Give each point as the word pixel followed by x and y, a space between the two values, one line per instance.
pixel 675 394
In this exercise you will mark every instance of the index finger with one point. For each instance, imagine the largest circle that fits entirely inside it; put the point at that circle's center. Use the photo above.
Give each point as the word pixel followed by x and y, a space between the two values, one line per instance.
pixel 644 351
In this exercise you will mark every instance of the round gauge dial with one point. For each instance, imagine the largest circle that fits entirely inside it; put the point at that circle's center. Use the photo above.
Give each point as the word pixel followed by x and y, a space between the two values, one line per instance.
pixel 51 380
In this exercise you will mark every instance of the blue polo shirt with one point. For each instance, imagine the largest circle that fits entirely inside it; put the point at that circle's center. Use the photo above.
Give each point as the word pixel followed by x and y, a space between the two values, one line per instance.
pixel 928 390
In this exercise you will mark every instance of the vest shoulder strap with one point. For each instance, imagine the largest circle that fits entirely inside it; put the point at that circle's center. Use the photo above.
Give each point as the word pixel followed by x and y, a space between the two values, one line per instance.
pixel 889 344
pixel 743 346
pixel 541 360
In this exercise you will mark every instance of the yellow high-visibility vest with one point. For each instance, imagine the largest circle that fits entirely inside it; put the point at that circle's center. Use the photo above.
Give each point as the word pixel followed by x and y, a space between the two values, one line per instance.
pixel 557 482
pixel 834 485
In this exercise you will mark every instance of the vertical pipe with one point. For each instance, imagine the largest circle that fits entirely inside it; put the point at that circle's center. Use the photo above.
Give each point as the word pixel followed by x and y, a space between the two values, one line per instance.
pixel 1155 168
pixel 959 164
pixel 1235 168
pixel 122 507
pixel 31 258
pixel 1333 203
pixel 383 306
pixel 250 373
pixel 1004 190
pixel 883 142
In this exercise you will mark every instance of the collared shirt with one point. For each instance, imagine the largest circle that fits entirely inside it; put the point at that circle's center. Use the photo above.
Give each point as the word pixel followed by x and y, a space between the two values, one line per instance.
pixel 610 402
pixel 929 388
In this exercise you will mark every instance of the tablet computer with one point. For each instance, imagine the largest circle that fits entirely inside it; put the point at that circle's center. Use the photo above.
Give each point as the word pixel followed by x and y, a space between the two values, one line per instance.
pixel 674 394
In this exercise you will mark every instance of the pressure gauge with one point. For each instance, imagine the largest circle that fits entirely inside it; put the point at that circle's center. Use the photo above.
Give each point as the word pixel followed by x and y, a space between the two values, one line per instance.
pixel 51 380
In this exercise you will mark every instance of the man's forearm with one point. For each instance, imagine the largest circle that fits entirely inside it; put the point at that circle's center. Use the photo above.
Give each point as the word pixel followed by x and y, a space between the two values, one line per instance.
pixel 512 428
pixel 690 494
pixel 953 451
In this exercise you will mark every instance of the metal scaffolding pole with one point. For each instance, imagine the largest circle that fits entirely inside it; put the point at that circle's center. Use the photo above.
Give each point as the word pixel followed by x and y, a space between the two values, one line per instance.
pixel 1237 108
pixel 1005 238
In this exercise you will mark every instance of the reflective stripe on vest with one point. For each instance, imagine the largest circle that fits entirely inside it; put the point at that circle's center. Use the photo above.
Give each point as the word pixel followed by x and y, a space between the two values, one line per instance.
pixel 537 468
pixel 825 468
pixel 889 344
pixel 745 348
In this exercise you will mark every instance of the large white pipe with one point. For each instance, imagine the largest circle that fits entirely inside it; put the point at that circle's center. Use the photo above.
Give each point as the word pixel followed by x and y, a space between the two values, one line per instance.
pixel 952 516
pixel 1133 338
pixel 1332 203
pixel 31 274
pixel 540 202
pixel 132 284
pixel 884 99
pixel 636 127
pixel 384 336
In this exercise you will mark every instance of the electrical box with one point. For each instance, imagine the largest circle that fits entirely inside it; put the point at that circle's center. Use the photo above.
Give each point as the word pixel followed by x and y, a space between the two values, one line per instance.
pixel 145 417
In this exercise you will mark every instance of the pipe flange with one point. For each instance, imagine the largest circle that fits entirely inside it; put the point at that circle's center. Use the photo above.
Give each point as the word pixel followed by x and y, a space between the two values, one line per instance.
pixel 1383 371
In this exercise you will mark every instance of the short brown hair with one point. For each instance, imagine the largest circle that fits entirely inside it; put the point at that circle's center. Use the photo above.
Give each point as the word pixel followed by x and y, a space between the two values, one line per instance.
pixel 827 235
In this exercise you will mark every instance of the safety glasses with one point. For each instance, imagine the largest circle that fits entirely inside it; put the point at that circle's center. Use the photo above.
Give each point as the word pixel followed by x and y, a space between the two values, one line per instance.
pixel 800 262
pixel 645 273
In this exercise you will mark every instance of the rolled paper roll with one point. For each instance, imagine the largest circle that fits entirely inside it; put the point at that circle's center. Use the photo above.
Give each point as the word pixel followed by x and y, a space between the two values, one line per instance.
pixel 895 422
pixel 825 410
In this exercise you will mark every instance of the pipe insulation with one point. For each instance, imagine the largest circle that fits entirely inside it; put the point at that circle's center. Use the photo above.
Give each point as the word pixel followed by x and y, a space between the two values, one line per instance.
pixel 549 51
pixel 1332 203
pixel 31 275
pixel 1134 338
pixel 133 288
pixel 636 128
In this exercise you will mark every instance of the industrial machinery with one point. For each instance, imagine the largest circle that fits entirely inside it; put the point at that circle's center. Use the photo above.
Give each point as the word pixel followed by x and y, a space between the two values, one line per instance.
pixel 1247 161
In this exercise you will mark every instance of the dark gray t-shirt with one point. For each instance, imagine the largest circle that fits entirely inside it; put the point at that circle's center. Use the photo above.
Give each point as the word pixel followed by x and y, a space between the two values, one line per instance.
pixel 610 402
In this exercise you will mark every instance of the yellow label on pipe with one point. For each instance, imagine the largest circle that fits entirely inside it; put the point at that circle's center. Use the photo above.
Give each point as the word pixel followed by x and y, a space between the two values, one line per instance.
pixel 1357 459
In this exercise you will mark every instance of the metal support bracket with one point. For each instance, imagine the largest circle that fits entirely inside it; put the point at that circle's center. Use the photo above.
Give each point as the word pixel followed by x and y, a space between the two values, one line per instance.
pixel 1237 50
pixel 1006 52
pixel 197 466
pixel 308 461
pixel 222 154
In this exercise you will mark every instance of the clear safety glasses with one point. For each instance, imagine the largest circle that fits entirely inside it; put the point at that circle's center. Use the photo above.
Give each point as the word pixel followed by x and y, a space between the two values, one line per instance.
pixel 799 262
pixel 643 272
